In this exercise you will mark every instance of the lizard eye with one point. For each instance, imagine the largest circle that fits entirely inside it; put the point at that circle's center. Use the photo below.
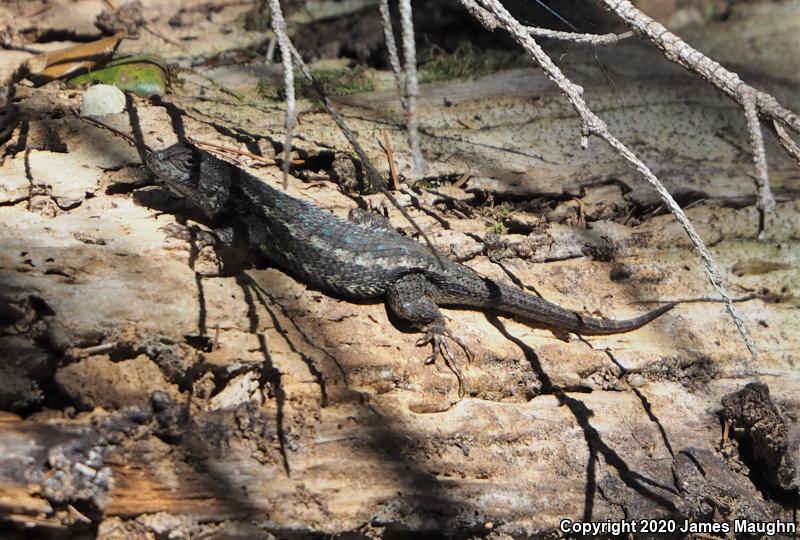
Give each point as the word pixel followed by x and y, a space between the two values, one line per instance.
pixel 186 162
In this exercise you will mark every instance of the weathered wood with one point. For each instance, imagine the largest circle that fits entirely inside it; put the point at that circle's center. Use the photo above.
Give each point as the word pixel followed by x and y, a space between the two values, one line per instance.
pixel 217 399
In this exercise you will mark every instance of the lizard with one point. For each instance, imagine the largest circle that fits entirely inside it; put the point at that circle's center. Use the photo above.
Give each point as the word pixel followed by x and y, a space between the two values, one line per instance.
pixel 359 259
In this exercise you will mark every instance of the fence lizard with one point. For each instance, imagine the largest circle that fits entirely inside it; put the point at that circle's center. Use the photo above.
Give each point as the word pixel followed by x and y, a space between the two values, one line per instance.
pixel 359 260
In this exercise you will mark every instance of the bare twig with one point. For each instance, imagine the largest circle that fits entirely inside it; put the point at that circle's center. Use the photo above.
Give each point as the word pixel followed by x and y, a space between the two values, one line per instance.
pixel 411 85
pixel 492 14
pixel 279 27
pixel 390 159
pixel 591 39
pixel 462 180
pixel 74 513
pixel 97 123
pixel 160 35
pixel 766 203
pixel 786 141
pixel 95 349
pixel 270 50
pixel 391 47
pixel 676 50
pixel 236 151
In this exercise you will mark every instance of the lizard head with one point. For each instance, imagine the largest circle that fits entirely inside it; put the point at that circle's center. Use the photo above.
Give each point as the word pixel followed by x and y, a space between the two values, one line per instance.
pixel 194 174
pixel 177 164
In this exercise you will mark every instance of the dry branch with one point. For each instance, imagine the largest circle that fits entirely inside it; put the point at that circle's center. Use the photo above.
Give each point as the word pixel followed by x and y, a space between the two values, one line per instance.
pixel 407 85
pixel 786 142
pixel 227 150
pixel 766 202
pixel 391 47
pixel 589 39
pixel 763 105
pixel 279 27
pixel 492 14
pixel 390 159
pixel 412 87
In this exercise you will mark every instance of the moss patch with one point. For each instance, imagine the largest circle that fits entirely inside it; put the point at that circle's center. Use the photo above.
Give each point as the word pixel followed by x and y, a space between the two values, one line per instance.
pixel 334 82
pixel 467 62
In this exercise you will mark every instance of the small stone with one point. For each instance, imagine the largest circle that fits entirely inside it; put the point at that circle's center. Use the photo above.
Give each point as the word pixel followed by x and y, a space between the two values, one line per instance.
pixel 636 380
pixel 102 99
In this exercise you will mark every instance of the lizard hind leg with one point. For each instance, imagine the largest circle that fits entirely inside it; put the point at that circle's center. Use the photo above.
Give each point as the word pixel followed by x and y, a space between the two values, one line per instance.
pixel 409 298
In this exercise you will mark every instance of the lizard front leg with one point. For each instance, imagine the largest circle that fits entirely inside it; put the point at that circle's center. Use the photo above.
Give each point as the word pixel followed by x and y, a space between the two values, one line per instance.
pixel 409 298
pixel 224 256
pixel 371 220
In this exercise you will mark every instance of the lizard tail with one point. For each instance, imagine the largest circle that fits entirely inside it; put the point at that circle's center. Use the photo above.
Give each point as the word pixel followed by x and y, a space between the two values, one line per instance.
pixel 529 307
pixel 603 326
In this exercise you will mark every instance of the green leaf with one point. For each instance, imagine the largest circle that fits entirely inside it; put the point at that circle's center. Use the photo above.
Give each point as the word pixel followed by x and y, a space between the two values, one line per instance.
pixel 144 75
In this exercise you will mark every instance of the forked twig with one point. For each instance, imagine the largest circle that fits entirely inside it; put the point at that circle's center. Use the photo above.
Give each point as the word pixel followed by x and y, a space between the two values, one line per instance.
pixel 755 103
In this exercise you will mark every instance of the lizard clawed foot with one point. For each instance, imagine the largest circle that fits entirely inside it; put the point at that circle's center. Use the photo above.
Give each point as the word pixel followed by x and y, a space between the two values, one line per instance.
pixel 437 341
pixel 460 342
pixel 214 262
pixel 435 334
pixel 189 234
